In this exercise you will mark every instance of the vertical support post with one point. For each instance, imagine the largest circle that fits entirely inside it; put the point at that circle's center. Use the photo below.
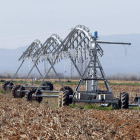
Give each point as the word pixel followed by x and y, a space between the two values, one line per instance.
pixel 64 70
pixel 104 77
pixel 94 60
pixel 82 76
pixel 138 103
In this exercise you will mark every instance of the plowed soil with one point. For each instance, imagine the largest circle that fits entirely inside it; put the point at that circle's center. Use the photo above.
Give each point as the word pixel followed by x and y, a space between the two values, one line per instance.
pixel 24 120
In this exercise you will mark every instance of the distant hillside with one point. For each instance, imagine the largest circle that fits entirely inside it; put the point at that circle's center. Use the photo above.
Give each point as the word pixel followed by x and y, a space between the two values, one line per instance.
pixel 113 61
pixel 115 58
pixel 9 59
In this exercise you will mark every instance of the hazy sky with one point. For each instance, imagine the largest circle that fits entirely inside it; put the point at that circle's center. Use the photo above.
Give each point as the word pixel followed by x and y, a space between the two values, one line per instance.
pixel 23 21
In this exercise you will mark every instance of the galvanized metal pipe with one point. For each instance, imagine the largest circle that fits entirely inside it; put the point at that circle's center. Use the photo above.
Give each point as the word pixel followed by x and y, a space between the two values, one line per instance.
pixel 45 96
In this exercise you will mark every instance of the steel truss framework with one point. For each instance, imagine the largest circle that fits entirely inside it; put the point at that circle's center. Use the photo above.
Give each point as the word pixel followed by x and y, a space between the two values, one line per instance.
pixel 28 54
pixel 79 42
pixel 49 46
pixel 36 52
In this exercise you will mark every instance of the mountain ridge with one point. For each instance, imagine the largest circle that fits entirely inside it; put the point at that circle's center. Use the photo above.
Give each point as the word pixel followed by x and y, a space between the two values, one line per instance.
pixel 116 58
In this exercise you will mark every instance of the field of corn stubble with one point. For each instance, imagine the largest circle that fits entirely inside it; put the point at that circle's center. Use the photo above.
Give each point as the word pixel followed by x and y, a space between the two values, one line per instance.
pixel 24 120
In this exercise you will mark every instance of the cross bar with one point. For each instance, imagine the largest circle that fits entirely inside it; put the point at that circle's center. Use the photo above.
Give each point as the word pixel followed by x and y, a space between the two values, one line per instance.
pixel 109 42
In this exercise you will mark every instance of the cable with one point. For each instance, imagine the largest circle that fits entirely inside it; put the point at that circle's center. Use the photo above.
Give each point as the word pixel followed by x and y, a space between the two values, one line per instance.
pixel 126 49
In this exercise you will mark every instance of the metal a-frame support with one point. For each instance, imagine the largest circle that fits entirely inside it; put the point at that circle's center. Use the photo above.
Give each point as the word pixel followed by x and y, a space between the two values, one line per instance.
pixel 52 67
pixel 35 45
pixel 47 48
pixel 95 64
pixel 80 39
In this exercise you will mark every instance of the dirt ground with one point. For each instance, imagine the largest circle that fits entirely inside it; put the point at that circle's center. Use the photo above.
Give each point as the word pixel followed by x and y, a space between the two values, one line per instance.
pixel 24 120
pixel 53 80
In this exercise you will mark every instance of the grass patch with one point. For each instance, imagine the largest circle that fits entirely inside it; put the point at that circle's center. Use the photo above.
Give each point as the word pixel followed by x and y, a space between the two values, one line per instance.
pixel 127 123
pixel 75 83
pixel 127 84
pixel 67 83
pixel 76 106
pixel 2 91
pixel 38 82
pixel 97 107
pixel 134 107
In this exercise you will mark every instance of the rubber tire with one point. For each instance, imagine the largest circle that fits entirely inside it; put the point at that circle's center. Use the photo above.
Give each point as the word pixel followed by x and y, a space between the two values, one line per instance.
pixel 124 100
pixel 31 92
pixel 4 86
pixel 70 92
pixel 15 88
pixel 60 99
pixel 47 84
pixel 66 100
pixel 63 98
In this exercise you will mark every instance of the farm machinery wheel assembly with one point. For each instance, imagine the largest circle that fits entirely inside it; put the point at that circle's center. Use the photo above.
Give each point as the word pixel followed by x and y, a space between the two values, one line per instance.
pixel 79 43
pixel 69 90
pixel 19 91
pixel 29 95
pixel 63 98
pixel 34 53
pixel 16 93
pixel 47 86
pixel 7 86
pixel 124 100
pixel 26 55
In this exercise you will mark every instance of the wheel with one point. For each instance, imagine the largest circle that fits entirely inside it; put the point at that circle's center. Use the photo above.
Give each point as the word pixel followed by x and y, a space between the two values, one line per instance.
pixel 136 99
pixel 70 92
pixel 48 86
pixel 31 92
pixel 66 100
pixel 17 94
pixel 60 99
pixel 124 100
pixel 63 98
pixel 6 84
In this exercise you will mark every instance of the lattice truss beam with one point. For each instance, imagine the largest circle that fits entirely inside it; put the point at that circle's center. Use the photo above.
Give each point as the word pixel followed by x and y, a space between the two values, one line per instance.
pixel 36 52
pixel 77 43
pixel 49 46
pixel 30 51
pixel 80 43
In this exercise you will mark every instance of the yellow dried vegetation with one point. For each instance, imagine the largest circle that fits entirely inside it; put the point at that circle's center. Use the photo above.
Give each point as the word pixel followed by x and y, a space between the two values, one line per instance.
pixel 22 120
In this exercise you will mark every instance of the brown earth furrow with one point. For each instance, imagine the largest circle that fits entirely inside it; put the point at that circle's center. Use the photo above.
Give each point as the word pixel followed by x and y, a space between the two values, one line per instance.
pixel 20 119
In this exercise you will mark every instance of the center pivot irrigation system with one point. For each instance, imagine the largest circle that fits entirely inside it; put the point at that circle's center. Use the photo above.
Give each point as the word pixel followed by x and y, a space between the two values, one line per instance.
pixel 35 52
pixel 78 43
pixel 28 54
